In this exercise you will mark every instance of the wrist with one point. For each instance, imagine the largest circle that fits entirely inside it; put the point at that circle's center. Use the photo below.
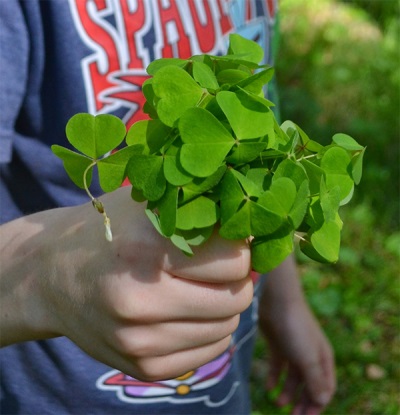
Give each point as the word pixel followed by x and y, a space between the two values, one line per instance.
pixel 26 255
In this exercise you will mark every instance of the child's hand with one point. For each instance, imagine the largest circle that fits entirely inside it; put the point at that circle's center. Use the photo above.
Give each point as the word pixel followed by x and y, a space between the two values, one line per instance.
pixel 137 304
pixel 300 351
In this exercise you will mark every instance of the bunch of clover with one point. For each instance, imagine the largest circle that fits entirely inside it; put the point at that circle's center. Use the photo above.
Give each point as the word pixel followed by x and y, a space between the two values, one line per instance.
pixel 213 155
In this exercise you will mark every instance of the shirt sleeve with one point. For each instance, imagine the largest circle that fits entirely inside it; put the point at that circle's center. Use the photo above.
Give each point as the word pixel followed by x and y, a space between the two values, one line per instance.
pixel 14 61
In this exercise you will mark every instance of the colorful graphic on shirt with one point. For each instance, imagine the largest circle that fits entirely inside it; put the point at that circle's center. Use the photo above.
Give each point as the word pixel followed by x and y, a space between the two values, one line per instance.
pixel 191 387
pixel 123 37
pixel 131 389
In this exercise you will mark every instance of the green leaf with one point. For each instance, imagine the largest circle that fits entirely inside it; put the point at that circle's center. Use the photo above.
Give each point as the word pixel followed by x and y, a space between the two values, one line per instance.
pixel 204 75
pixel 167 210
pixel 150 134
pixel 267 253
pixel 180 242
pixel 202 185
pixel 249 187
pixel 356 166
pixel 232 196
pixel 173 170
pixel 112 168
pixel 137 195
pixel 177 91
pixel 261 177
pixel 198 213
pixel 231 76
pixel 74 164
pixel 145 172
pixel 335 163
pixel 330 201
pixel 264 221
pixel 196 237
pixel 246 49
pixel 323 245
pixel 300 205
pixel 157 64
pixel 314 174
pixel 246 151
pixel 292 170
pixel 247 116
pixel 347 142
pixel 256 82
pixel 238 225
pixel 97 135
pixel 280 197
pixel 206 142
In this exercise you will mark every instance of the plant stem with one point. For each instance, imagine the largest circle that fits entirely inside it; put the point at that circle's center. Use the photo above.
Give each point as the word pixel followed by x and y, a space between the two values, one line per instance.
pixel 97 204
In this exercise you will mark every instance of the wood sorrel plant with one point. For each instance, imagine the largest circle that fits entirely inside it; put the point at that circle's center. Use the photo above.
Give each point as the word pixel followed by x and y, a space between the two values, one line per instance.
pixel 212 154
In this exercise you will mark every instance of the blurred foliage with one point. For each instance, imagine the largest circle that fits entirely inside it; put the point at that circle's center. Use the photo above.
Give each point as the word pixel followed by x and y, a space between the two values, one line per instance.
pixel 382 11
pixel 338 69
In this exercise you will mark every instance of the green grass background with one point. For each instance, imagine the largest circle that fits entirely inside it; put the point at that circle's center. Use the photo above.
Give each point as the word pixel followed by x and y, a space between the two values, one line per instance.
pixel 338 70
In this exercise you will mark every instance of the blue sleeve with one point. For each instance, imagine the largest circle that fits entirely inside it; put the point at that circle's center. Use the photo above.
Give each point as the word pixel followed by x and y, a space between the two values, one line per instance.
pixel 14 61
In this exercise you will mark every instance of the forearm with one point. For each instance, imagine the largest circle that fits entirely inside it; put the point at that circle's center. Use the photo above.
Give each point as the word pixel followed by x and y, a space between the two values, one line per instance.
pixel 283 285
pixel 25 264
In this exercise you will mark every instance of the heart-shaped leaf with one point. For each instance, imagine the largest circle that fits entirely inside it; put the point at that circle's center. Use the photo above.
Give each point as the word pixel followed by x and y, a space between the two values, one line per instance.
pixel 157 64
pixel 300 205
pixel 151 134
pixel 247 116
pixel 356 164
pixel 196 237
pixel 248 186
pixel 232 196
pixel 204 75
pixel 177 91
pixel 269 252
pixel 256 82
pixel 335 163
pixel 206 142
pixel 323 245
pixel 231 76
pixel 238 225
pixel 145 172
pixel 95 136
pixel 292 170
pixel 173 170
pixel 112 168
pixel 246 151
pixel 245 48
pixel 347 142
pixel 315 174
pixel 330 201
pixel 74 164
pixel 167 208
pixel 198 213
pixel 280 197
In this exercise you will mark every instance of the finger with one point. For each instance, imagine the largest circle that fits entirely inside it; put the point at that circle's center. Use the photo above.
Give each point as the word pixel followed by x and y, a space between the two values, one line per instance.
pixel 161 339
pixel 219 260
pixel 306 407
pixel 157 368
pixel 276 368
pixel 320 380
pixel 169 299
pixel 290 390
